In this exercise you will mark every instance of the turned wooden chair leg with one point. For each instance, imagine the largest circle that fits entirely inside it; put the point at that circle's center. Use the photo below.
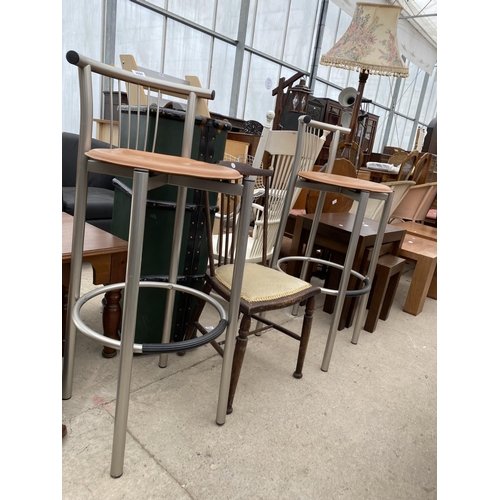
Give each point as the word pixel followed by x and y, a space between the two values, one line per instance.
pixel 239 355
pixel 304 337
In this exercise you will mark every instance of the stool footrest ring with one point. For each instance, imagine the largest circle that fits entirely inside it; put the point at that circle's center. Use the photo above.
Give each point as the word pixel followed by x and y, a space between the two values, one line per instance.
pixel 153 348
pixel 328 291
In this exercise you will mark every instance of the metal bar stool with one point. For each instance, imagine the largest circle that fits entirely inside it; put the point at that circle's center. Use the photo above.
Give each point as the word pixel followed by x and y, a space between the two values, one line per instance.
pixel 148 170
pixel 360 191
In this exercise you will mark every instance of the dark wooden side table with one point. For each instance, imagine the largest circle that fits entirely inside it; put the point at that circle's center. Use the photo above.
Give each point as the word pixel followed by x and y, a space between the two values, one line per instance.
pixel 333 236
pixel 107 254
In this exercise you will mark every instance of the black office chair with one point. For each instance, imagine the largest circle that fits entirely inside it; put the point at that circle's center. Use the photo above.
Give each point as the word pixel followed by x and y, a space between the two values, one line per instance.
pixel 101 190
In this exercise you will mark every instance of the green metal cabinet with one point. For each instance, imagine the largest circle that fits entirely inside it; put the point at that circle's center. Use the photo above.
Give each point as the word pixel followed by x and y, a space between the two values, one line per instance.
pixel 208 145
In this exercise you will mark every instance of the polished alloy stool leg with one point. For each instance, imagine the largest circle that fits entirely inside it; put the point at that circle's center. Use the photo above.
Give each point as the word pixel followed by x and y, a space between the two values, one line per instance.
pixel 234 304
pixel 130 301
pixel 75 272
pixel 344 280
pixel 174 266
pixel 187 141
pixel 361 312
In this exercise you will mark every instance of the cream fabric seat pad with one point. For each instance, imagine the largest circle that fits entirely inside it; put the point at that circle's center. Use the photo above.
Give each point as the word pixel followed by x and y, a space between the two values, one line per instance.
pixel 261 283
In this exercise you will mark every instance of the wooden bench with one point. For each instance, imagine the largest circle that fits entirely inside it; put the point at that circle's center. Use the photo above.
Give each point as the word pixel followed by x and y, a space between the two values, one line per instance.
pixel 423 252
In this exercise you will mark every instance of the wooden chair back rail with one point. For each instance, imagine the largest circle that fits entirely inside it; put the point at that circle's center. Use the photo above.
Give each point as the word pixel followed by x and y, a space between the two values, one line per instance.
pixel 422 169
pixel 408 166
pixel 276 152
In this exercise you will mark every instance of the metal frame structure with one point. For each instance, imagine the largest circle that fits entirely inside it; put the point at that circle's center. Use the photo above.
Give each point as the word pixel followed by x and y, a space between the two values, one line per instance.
pixel 358 190
pixel 216 179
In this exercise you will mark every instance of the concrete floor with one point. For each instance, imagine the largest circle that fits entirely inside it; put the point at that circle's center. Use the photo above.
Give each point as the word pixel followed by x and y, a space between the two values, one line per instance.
pixel 366 429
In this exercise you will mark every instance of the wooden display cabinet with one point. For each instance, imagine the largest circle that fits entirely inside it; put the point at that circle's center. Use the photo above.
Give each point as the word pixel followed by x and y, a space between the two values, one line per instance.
pixel 333 113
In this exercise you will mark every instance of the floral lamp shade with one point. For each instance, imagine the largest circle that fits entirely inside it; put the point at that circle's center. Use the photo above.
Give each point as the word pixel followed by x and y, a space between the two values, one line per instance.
pixel 370 43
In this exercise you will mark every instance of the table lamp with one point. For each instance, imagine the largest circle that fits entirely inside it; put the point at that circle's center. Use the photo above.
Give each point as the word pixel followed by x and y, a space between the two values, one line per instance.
pixel 369 46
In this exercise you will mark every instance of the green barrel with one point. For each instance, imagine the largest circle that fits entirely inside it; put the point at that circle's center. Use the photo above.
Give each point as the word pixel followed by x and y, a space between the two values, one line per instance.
pixel 208 145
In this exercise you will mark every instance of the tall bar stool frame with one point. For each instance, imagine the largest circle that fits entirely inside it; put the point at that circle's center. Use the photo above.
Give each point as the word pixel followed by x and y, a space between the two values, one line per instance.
pixel 143 180
pixel 358 190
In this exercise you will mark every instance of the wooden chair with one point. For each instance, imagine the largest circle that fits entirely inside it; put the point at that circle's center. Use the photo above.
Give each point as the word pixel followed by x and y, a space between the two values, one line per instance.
pixel 421 170
pixel 334 202
pixel 398 157
pixel 352 155
pixel 416 203
pixel 263 289
pixel 408 166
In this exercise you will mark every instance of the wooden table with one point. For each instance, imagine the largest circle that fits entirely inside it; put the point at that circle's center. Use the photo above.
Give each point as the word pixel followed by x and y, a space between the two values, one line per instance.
pixel 423 252
pixel 416 229
pixel 377 175
pixel 334 232
pixel 107 254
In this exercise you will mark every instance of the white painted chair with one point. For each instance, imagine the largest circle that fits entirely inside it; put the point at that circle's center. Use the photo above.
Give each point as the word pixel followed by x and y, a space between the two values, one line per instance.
pixel 276 151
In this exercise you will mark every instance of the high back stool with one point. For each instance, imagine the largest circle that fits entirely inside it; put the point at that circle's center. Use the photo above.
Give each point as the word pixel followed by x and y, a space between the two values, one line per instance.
pixel 137 160
pixel 360 191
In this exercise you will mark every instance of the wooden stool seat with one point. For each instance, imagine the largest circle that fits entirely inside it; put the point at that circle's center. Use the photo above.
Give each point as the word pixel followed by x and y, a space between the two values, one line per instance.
pixel 387 275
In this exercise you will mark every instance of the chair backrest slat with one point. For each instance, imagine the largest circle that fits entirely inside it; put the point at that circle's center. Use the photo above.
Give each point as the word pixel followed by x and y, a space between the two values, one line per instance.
pixel 276 151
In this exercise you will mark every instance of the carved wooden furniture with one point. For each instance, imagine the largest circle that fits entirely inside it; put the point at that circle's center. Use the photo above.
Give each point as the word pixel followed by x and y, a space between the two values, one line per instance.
pixel 408 166
pixel 353 154
pixel 332 114
pixel 107 254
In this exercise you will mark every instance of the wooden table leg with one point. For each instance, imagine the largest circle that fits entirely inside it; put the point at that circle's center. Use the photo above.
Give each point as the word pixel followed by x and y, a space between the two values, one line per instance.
pixel 432 293
pixel 420 284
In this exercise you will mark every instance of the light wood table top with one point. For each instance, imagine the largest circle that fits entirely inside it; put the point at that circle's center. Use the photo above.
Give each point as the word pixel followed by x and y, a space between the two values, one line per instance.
pixel 96 242
pixel 107 254
pixel 416 229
